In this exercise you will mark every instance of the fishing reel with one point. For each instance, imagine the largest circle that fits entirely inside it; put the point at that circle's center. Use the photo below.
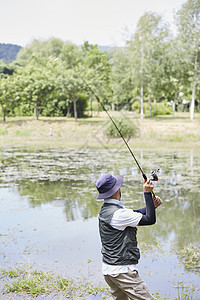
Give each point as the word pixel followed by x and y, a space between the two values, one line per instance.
pixel 154 176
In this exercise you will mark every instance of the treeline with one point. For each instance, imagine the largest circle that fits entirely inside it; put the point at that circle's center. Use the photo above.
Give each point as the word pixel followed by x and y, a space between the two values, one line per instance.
pixel 8 52
pixel 156 73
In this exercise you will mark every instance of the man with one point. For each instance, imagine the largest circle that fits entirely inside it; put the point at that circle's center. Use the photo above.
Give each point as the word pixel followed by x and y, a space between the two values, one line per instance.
pixel 117 228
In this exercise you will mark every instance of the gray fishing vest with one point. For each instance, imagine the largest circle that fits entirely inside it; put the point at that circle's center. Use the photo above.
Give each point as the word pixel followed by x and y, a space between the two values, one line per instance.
pixel 118 247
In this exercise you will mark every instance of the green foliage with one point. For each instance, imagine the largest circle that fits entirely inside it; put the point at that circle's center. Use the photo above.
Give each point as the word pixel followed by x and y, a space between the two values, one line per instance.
pixel 7 94
pixel 156 109
pixel 188 25
pixel 146 52
pixel 49 76
pixel 24 109
pixel 125 125
pixel 40 51
pixel 82 104
pixel 160 109
pixel 6 69
pixel 122 83
pixel 95 72
pixel 136 107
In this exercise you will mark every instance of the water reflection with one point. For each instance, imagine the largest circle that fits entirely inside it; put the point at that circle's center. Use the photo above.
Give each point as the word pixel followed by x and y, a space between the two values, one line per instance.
pixel 65 178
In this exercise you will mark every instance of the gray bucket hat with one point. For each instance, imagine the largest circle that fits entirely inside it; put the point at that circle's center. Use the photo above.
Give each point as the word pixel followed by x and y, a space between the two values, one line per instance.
pixel 107 185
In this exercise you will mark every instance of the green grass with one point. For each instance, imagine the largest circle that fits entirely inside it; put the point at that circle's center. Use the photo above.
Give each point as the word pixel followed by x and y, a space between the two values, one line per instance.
pixel 65 132
pixel 25 281
pixel 183 138
pixel 176 138
pixel 3 131
pixel 24 132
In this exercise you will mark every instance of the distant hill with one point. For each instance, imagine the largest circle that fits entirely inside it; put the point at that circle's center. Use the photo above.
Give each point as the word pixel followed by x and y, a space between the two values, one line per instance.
pixel 8 52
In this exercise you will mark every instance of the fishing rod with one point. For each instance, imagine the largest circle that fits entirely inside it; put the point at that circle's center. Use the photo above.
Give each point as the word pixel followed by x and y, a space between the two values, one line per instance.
pixel 153 173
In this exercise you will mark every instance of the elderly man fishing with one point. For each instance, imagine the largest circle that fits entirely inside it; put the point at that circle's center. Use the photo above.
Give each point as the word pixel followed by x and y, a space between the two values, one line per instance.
pixel 117 228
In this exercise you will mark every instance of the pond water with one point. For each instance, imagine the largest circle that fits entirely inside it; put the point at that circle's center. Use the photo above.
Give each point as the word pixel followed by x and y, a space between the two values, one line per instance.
pixel 48 212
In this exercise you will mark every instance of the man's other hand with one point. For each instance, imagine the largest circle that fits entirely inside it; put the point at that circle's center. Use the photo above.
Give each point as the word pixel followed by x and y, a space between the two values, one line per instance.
pixel 157 201
pixel 148 186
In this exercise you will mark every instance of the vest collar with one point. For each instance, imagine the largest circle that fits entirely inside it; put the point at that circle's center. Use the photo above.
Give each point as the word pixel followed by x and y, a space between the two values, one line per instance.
pixel 114 201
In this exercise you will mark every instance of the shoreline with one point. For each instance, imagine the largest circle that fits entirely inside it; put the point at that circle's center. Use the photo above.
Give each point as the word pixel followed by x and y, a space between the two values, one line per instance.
pixel 46 133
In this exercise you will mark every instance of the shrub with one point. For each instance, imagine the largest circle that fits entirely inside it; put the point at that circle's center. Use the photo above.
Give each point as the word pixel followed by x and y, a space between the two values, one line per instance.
pixel 156 108
pixel 160 109
pixel 136 107
pixel 125 125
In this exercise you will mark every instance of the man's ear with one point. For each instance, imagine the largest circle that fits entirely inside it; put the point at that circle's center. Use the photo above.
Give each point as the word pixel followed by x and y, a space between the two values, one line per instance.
pixel 119 193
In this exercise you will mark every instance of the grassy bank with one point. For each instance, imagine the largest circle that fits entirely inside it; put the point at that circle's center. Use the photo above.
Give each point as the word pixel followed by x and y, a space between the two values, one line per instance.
pixel 160 132
pixel 23 282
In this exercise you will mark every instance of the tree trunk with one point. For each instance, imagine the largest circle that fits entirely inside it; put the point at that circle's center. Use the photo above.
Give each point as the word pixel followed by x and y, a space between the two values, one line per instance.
pixel 192 102
pixel 91 110
pixel 173 109
pixel 3 113
pixel 75 109
pixel 68 109
pixel 149 82
pixel 141 88
pixel 149 94
pixel 174 102
pixel 113 103
pixel 193 90
pixel 36 112
pixel 141 103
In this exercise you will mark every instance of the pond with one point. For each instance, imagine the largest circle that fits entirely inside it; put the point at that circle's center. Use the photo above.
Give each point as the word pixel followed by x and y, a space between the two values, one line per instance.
pixel 48 212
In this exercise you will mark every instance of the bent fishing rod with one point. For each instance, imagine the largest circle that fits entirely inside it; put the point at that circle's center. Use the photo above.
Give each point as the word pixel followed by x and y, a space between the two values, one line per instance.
pixel 153 173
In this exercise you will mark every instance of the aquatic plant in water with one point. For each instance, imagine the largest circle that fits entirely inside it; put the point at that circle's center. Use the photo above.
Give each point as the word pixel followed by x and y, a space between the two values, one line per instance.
pixel 184 292
pixel 190 256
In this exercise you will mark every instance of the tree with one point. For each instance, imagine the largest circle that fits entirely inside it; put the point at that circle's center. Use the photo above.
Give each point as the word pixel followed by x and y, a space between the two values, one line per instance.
pixel 188 23
pixel 70 74
pixel 52 76
pixel 40 51
pixel 175 73
pixel 7 96
pixel 96 72
pixel 74 87
pixel 7 87
pixel 6 69
pixel 121 78
pixel 146 48
pixel 34 87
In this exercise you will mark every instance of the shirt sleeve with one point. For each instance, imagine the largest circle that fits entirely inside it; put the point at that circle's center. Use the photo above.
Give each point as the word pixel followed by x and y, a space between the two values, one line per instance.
pixel 125 217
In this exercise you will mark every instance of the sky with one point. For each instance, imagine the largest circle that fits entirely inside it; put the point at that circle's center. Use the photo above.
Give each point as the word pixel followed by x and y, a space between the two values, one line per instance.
pixel 102 22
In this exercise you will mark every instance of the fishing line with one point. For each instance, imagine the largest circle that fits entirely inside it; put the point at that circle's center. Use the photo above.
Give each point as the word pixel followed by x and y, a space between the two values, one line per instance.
pixel 127 145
